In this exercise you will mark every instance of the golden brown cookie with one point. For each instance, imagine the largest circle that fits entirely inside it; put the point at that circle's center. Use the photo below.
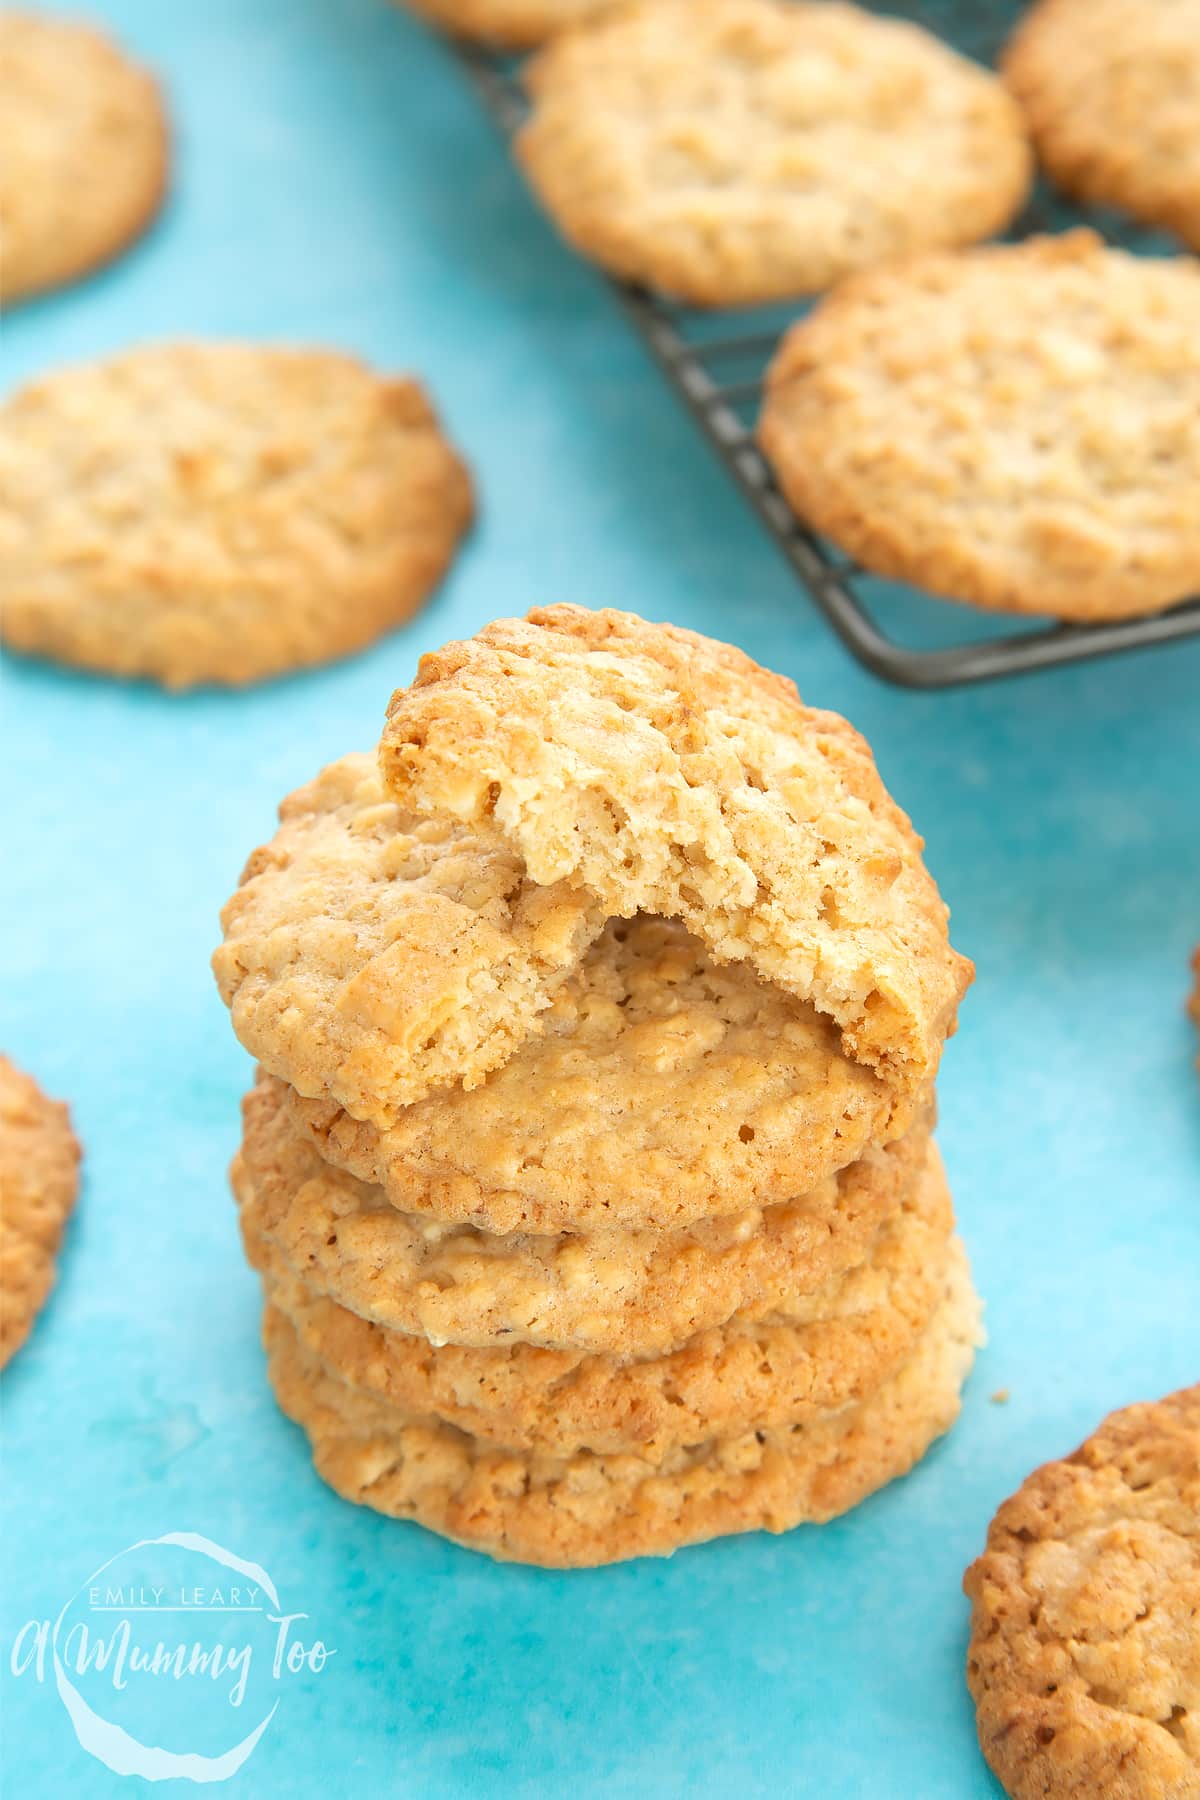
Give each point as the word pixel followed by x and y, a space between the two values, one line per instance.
pixel 735 151
pixel 565 1512
pixel 39 1179
pixel 659 1087
pixel 1018 426
pixel 635 1292
pixel 668 774
pixel 1084 1661
pixel 85 152
pixel 220 512
pixel 836 1345
pixel 369 956
pixel 511 24
pixel 1111 90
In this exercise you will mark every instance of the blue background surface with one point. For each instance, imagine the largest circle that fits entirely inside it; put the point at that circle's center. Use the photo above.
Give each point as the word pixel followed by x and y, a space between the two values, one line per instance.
pixel 335 183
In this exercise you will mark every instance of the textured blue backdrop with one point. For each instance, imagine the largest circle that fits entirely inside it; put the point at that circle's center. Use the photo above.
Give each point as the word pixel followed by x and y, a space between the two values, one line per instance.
pixel 334 182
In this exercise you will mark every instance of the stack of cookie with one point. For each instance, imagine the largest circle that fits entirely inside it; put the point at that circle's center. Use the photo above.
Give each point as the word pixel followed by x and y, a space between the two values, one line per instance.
pixel 589 1169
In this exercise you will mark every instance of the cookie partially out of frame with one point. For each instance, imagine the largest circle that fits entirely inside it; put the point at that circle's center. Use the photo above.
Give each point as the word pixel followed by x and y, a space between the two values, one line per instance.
pixel 666 773
pixel 369 956
pixel 1084 1661
pixel 220 513
pixel 640 1291
pixel 1017 426
pixel 509 24
pixel 39 1181
pixel 1111 90
pixel 582 1510
pixel 729 152
pixel 86 151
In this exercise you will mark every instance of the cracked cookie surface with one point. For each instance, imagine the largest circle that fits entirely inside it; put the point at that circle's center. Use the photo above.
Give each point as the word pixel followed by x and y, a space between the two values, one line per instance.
pixel 736 151
pixel 1017 427
pixel 220 513
pixel 1084 1661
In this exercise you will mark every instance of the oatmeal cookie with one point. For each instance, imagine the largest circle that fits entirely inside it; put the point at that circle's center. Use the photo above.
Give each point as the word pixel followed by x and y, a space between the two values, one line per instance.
pixel 729 152
pixel 1084 1662
pixel 220 513
pixel 1017 427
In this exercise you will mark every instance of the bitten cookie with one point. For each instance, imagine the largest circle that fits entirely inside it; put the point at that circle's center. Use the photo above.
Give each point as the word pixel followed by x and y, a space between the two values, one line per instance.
pixel 735 151
pixel 85 152
pixel 39 1180
pixel 1111 90
pixel 582 1510
pixel 665 773
pixel 370 956
pixel 658 1087
pixel 220 512
pixel 635 1292
pixel 1018 426
pixel 512 24
pixel 1084 1660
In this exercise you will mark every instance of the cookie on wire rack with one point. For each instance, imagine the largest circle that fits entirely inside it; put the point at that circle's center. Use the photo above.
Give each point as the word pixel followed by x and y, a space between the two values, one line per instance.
pixel 1016 426
pixel 728 152
pixel 86 152
pixel 1111 90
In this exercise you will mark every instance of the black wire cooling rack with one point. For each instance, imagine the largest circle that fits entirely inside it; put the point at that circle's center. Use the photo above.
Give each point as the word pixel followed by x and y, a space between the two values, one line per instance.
pixel 716 362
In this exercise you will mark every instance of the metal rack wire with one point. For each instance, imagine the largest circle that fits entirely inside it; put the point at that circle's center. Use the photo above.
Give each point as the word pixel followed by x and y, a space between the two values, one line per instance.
pixel 716 363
